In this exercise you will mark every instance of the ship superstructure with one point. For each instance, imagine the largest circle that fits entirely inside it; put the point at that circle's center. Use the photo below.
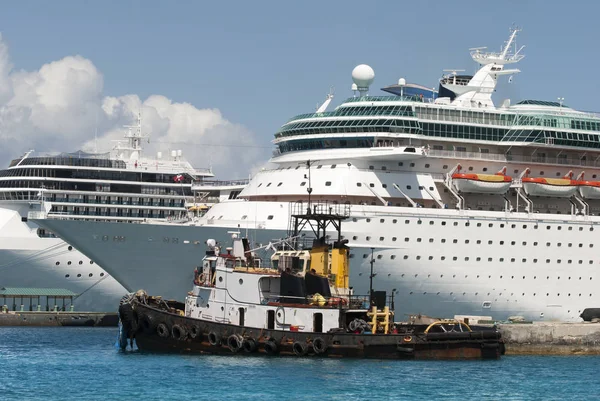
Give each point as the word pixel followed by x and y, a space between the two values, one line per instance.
pixel 466 206
pixel 121 185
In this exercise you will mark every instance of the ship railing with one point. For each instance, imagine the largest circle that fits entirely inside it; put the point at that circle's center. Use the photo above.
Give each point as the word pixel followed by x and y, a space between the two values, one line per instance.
pixel 216 183
pixel 340 210
pixel 509 158
pixel 318 300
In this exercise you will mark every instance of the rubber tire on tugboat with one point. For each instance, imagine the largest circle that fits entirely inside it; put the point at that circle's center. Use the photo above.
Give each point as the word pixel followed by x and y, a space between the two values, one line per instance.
pixel 234 343
pixel 179 332
pixel 214 339
pixel 300 348
pixel 319 346
pixel 146 323
pixel 194 331
pixel 249 345
pixel 271 347
pixel 163 330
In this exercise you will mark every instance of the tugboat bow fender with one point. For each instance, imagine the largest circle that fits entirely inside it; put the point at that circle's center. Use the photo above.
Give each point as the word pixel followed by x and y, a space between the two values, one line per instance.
pixel 214 339
pixel 234 342
pixel 249 345
pixel 300 348
pixel 179 332
pixel 319 345
pixel 163 330
pixel 194 331
pixel 271 347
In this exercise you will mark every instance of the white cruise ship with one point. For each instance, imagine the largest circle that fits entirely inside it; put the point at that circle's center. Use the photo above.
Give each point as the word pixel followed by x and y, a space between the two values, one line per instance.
pixel 123 186
pixel 466 206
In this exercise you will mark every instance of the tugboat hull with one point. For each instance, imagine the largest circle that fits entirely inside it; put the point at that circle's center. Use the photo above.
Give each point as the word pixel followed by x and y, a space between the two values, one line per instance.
pixel 157 329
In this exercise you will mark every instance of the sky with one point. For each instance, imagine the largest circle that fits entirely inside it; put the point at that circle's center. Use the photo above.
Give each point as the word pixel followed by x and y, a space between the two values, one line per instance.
pixel 218 78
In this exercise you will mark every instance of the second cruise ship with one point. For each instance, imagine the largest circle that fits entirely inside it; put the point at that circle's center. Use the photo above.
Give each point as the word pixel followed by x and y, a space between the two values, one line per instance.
pixel 465 206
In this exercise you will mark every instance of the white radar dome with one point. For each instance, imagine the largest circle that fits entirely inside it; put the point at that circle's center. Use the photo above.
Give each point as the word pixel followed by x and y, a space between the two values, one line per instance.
pixel 363 75
pixel 211 243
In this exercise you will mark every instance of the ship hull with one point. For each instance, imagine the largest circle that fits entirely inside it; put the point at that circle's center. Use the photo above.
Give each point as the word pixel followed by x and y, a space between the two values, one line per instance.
pixel 436 262
pixel 157 330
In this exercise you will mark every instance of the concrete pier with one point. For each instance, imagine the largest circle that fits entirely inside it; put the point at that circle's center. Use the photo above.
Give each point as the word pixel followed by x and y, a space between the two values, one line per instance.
pixel 547 338
pixel 53 319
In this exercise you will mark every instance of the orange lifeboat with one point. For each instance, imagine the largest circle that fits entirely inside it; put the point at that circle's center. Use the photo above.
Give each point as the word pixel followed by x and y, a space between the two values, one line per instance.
pixel 497 183
pixel 553 187
pixel 588 189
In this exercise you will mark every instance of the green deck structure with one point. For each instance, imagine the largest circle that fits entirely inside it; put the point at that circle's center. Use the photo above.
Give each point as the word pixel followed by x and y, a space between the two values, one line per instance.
pixel 31 294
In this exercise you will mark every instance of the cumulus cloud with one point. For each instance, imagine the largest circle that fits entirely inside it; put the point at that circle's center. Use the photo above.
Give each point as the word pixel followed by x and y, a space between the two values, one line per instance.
pixel 61 106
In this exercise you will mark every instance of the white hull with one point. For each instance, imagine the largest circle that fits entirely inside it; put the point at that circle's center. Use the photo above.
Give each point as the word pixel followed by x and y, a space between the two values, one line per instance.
pixel 481 187
pixel 589 192
pixel 512 271
pixel 26 260
pixel 560 191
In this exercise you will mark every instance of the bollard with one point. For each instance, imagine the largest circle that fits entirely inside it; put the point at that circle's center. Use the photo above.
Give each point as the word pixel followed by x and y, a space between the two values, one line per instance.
pixel 71 308
pixel 39 308
pixel 55 308
pixel 22 308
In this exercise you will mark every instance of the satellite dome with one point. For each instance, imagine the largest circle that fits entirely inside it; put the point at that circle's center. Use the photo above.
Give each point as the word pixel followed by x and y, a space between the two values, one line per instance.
pixel 363 76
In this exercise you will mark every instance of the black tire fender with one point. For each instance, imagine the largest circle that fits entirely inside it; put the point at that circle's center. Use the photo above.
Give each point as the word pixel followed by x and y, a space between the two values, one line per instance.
pixel 319 345
pixel 163 330
pixel 214 339
pixel 179 332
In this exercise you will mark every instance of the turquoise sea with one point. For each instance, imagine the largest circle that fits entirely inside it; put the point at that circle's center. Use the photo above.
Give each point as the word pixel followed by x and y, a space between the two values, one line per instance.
pixel 83 364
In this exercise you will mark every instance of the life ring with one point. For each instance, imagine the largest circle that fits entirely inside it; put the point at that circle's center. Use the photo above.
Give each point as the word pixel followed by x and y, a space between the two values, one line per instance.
pixel 249 345
pixel 280 311
pixel 194 331
pixel 300 348
pixel 271 347
pixel 178 332
pixel 234 342
pixel 214 339
pixel 407 339
pixel 201 278
pixel 319 345
pixel 162 330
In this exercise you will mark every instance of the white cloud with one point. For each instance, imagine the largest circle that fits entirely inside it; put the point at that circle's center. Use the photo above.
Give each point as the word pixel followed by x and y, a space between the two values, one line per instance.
pixel 60 106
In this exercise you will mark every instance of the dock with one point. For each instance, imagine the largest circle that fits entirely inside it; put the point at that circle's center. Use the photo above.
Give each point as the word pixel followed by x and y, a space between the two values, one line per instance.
pixel 58 319
pixel 551 338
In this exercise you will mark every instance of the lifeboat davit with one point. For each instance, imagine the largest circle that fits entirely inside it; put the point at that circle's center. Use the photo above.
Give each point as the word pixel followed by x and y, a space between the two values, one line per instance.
pixel 497 183
pixel 553 187
pixel 588 189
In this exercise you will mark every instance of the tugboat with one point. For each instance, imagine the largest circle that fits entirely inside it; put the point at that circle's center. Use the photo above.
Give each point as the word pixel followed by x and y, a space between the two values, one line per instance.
pixel 302 304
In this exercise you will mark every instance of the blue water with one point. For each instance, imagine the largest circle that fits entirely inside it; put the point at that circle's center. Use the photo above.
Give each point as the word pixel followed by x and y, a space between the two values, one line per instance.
pixel 83 364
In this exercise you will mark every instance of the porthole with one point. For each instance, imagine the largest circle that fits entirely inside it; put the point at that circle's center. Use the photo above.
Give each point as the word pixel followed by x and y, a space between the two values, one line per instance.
pixel 101 274
pixel 406 239
pixel 379 256
pixel 241 281
pixel 91 262
pixel 333 165
pixel 394 238
pixel 418 239
pixel 220 279
pixel 79 275
pixel 381 238
pixel 358 184
pixel 70 248
pixel 394 221
pixel 279 184
pixel 69 263
pixel 327 183
pixel 91 274
pixel 426 165
pixel 412 164
pixel 303 183
pixel 57 263
pixel 270 217
pixel 81 262
pixel 67 275
pixel 368 238
pixel 445 166
pixel 408 187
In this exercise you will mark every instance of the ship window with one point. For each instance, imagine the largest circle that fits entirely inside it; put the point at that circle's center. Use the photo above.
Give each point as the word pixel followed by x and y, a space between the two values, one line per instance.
pixel 381 238
pixel 456 223
pixel 591 245
pixel 384 185
pixel 303 183
pixel 454 241
pixel 570 244
pixel 559 244
pixel 501 242
pixel 412 164
pixel 405 256
pixel 541 173
pixel 512 226
pixel 394 221
pixel 580 245
pixel 69 262
pixel 244 217
pixel 418 239
pixel 406 221
pixel 431 222
pixel 393 257
pixel 379 256
pixel 382 220
pixel 333 166
pixel 558 174
pixel 327 183
pixel 478 224
pixel 101 274
pixel 371 168
pixel 454 258
pixel 383 168
pixel 91 262
pixel 364 255
pixel 524 243
pixel 470 168
pixel 270 217
pixel 426 165
pixel 57 263
pixel 430 239
pixel 400 164
pixel 491 225
pixel 443 240
pixel 368 220
pixel 79 275
pixel 485 169
pixel 372 185
pixel 81 262
pixel 354 238
pixel 269 184
pixel 524 226
pixel 490 242
pixel 259 185
pixel 408 187
pixel 418 258
pixel 319 166
pixel 467 224
pixel 479 241
pixel 466 241
pixel 368 238
pixel 512 260
pixel 580 228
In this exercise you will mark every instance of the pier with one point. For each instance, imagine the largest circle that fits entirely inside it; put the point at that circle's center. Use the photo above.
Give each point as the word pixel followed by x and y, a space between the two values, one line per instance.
pixel 551 338
pixel 57 319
